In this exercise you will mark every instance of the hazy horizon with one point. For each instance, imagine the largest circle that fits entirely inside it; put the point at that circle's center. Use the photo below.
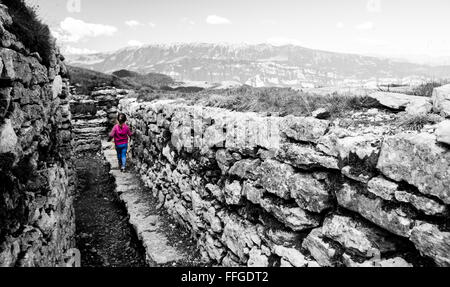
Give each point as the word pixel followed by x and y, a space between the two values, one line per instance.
pixel 407 30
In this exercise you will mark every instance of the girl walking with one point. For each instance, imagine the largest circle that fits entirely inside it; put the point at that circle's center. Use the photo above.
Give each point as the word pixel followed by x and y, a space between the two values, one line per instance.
pixel 120 133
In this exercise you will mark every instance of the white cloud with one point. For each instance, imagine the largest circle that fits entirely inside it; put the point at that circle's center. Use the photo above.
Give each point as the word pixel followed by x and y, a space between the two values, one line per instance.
pixel 217 20
pixel 132 23
pixel 269 22
pixel 340 25
pixel 78 51
pixel 188 21
pixel 72 30
pixel 373 6
pixel 281 41
pixel 152 25
pixel 135 43
pixel 365 26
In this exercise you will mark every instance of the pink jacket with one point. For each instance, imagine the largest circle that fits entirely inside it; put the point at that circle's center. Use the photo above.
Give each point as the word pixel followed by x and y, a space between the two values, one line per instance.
pixel 120 134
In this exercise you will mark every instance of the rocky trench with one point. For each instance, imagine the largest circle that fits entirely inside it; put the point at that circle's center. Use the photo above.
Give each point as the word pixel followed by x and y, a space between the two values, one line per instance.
pixel 293 191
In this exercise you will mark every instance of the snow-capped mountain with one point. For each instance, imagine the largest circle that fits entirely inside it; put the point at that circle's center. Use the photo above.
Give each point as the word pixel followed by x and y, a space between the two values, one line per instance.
pixel 260 65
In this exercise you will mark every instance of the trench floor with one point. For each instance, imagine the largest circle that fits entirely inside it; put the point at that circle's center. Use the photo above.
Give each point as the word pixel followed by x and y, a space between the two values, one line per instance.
pixel 103 234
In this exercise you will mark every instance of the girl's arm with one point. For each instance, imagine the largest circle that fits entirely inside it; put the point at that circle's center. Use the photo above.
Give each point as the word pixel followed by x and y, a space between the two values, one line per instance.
pixel 129 132
pixel 112 133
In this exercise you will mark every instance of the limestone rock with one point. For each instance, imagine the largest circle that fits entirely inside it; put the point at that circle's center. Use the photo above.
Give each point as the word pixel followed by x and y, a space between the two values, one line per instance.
pixel 253 194
pixel 233 193
pixel 383 188
pixel 240 236
pixel 304 129
pixel 418 160
pixel 257 259
pixel 274 177
pixel 419 107
pixel 393 220
pixel 305 157
pixel 8 140
pixel 427 205
pixel 395 262
pixel 293 217
pixel 441 100
pixel 443 131
pixel 321 114
pixel 432 242
pixel 324 253
pixel 216 191
pixel 309 193
pixel 396 101
pixel 355 235
pixel 224 160
pixel 246 169
pixel 282 237
pixel 293 256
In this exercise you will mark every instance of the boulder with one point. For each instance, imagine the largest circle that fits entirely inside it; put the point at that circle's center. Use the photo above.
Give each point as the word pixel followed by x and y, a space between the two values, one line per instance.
pixel 274 177
pixel 304 129
pixel 383 188
pixel 375 210
pixel 424 204
pixel 321 114
pixel 356 236
pixel 397 101
pixel 324 253
pixel 295 218
pixel 309 193
pixel 245 169
pixel 240 236
pixel 419 107
pixel 418 160
pixel 305 157
pixel 257 259
pixel 432 242
pixel 441 100
pixel 57 86
pixel 233 193
pixel 292 255
pixel 8 139
pixel 443 132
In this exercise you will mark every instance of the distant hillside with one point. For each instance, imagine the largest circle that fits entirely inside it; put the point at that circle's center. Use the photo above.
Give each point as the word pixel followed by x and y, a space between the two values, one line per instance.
pixel 261 65
pixel 150 79
pixel 86 80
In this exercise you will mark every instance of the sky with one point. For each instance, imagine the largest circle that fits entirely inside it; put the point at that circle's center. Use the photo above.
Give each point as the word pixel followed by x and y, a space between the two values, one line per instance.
pixel 391 28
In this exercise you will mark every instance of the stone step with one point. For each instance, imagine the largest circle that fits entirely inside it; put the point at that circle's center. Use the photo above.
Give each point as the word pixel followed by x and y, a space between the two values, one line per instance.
pixel 145 220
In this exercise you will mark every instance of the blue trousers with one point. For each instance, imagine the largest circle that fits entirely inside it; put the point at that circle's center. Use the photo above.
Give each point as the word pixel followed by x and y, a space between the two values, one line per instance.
pixel 122 154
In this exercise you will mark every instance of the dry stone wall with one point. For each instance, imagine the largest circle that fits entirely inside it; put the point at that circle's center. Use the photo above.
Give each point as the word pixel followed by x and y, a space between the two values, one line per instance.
pixel 93 116
pixel 293 191
pixel 36 174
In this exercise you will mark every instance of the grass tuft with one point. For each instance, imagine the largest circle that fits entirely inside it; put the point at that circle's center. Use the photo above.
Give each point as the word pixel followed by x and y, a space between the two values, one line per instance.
pixel 29 29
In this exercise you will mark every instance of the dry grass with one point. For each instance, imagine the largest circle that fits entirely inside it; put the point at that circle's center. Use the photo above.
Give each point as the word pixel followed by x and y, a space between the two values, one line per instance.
pixel 426 89
pixel 417 122
pixel 277 101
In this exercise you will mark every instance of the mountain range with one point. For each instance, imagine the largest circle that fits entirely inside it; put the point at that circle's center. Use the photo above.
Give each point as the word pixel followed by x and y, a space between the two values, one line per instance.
pixel 261 65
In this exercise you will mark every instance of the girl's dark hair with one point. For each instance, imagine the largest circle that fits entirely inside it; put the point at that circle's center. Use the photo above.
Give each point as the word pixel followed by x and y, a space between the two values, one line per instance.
pixel 122 118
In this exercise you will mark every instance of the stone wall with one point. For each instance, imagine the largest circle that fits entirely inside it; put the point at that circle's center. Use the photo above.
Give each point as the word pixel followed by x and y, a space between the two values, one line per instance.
pixel 36 174
pixel 293 191
pixel 93 117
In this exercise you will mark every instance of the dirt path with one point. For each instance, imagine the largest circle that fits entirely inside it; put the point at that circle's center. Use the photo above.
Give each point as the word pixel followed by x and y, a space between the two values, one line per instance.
pixel 164 241
pixel 103 234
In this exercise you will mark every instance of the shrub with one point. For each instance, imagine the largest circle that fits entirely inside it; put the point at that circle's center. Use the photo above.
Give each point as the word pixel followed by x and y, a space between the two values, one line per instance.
pixel 29 30
pixel 417 122
pixel 426 89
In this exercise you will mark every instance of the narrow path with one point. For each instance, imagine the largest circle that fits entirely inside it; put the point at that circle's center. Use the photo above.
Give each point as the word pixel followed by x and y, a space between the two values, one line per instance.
pixel 103 234
pixel 165 243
